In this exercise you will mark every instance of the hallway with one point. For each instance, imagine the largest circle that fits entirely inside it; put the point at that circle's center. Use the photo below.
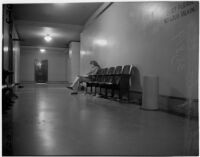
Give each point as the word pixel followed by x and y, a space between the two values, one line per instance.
pixel 49 121
pixel 147 51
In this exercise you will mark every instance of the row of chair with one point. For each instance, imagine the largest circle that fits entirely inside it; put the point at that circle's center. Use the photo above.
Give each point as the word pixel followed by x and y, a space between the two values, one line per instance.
pixel 8 97
pixel 8 94
pixel 114 79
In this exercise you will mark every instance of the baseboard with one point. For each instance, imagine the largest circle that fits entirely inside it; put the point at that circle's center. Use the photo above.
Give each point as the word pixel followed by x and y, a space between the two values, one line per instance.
pixel 171 104
pixel 57 82
pixel 49 82
pixel 27 82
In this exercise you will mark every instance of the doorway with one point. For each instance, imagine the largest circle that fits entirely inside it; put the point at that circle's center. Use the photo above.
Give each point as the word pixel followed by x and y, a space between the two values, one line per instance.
pixel 41 71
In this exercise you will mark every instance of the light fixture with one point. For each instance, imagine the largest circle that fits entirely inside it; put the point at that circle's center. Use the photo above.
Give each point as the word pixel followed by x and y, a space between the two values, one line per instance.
pixel 42 50
pixel 48 38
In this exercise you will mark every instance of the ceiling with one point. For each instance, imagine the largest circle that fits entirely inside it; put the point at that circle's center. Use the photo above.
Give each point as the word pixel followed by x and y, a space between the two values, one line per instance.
pixel 64 22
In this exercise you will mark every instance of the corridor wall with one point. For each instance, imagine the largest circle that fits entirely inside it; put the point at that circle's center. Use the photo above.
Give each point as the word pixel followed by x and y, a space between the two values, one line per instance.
pixel 5 42
pixel 57 65
pixel 16 57
pixel 74 60
pixel 159 38
pixel 15 47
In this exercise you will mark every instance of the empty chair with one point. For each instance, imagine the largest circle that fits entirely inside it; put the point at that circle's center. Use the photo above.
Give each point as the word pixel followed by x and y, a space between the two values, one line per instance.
pixel 108 79
pixel 121 81
pixel 93 78
pixel 115 80
pixel 100 79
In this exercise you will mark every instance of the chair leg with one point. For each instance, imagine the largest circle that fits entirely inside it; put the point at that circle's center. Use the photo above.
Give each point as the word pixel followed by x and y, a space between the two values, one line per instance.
pixel 86 89
pixel 100 91
pixel 106 92
pixel 120 96
pixel 94 93
pixel 128 96
pixel 112 92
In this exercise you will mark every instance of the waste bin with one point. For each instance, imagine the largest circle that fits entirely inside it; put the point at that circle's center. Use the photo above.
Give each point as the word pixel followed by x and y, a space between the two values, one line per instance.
pixel 150 93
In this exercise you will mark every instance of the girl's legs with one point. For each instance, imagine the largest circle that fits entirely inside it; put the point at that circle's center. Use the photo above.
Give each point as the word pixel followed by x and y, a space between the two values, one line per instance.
pixel 76 81
pixel 76 85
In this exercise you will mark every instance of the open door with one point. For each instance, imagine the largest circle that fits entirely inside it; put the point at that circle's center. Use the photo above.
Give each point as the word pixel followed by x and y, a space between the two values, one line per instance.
pixel 41 71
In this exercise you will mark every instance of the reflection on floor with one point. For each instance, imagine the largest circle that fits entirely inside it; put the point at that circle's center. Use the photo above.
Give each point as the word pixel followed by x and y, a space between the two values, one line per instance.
pixel 47 120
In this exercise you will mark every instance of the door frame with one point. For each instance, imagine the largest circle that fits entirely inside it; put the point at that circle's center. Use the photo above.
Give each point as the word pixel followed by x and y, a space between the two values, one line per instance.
pixel 35 70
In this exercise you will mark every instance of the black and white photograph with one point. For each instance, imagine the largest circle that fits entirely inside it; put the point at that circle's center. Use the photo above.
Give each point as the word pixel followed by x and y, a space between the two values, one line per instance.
pixel 100 78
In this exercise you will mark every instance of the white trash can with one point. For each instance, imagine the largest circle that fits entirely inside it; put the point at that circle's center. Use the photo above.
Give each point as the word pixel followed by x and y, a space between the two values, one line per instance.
pixel 150 93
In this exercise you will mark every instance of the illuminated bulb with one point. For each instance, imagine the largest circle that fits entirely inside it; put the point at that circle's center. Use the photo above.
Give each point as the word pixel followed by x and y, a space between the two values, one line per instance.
pixel 42 50
pixel 48 38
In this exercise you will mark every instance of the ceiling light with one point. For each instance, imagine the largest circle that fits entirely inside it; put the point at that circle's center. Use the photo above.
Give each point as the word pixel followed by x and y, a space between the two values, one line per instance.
pixel 42 50
pixel 48 38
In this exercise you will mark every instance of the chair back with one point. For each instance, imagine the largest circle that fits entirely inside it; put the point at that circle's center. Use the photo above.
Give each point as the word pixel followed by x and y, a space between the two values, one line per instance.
pixel 109 76
pixel 104 75
pixel 98 71
pixel 126 69
pixel 116 78
pixel 100 76
pixel 118 70
pixel 105 71
pixel 111 70
pixel 94 77
pixel 125 77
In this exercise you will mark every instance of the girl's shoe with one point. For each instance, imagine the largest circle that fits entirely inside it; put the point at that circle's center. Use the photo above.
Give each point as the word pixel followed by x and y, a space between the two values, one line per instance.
pixel 70 87
pixel 73 93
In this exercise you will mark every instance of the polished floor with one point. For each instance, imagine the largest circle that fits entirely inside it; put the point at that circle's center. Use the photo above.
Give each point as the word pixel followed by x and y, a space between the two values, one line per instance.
pixel 49 121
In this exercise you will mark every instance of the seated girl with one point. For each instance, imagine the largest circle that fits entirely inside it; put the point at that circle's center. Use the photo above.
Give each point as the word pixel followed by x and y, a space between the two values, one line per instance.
pixel 79 79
